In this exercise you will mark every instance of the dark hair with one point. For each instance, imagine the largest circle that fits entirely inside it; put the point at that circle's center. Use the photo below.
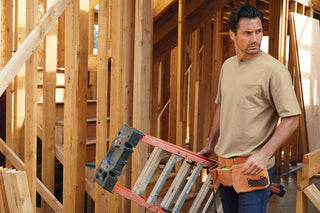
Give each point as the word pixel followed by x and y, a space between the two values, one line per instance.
pixel 246 11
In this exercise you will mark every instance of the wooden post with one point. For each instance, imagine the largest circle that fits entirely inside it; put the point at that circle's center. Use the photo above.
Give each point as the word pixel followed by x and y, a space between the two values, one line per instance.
pixel 102 100
pixel 49 111
pixel 181 125
pixel 154 127
pixel 141 85
pixel 30 141
pixel 76 80
pixel 19 85
pixel 30 44
pixel 208 99
pixel 173 96
pixel 121 83
pixel 5 54
pixel 217 52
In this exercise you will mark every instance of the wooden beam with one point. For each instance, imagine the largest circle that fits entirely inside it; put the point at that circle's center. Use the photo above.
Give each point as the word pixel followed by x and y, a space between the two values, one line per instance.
pixel 41 188
pixel 31 43
pixel 20 83
pixel 313 194
pixel 160 6
pixel 9 96
pixel 197 17
pixel 217 52
pixel 180 133
pixel 49 110
pixel 30 141
pixel 76 84
pixel 141 85
pixel 5 54
pixel 102 100
pixel 173 96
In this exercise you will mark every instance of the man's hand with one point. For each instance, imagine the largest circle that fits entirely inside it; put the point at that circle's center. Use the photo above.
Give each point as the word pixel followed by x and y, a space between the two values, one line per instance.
pixel 255 163
pixel 206 151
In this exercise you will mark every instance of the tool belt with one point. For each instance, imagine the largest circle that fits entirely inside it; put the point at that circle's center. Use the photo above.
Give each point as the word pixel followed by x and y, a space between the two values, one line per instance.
pixel 228 173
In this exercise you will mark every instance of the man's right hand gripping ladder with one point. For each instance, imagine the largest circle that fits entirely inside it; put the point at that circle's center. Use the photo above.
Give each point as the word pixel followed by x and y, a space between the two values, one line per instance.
pixel 120 151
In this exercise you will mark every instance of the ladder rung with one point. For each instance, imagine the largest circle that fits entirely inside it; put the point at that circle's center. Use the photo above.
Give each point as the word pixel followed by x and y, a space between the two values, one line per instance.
pixel 176 185
pixel 187 188
pixel 147 171
pixel 201 195
pixel 162 179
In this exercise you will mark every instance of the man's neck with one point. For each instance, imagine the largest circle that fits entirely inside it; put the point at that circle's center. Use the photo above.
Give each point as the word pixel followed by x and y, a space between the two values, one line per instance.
pixel 246 57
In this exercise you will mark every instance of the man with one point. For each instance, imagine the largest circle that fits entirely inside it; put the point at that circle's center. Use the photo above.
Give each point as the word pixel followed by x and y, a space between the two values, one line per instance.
pixel 254 91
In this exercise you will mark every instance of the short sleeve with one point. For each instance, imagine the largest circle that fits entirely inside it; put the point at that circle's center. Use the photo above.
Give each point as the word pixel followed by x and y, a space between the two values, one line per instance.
pixel 283 95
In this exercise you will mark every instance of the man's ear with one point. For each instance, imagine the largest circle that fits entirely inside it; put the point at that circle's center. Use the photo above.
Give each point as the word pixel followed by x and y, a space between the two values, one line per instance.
pixel 231 34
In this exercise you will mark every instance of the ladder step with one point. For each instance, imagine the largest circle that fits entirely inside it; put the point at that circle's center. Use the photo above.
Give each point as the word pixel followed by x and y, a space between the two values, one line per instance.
pixel 206 186
pixel 187 188
pixel 162 179
pixel 176 185
pixel 147 172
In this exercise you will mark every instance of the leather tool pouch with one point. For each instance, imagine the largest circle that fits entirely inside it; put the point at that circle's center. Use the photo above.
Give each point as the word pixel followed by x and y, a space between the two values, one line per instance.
pixel 246 183
pixel 240 182
pixel 215 177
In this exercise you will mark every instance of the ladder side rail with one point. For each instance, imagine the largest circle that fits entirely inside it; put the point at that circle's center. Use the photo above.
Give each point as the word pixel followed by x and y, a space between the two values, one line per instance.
pixel 162 179
pixel 208 204
pixel 187 188
pixel 206 186
pixel 124 192
pixel 174 149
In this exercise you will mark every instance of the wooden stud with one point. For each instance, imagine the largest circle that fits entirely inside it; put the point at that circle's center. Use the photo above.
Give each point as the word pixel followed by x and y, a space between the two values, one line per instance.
pixel 141 85
pixel 208 99
pixel 154 127
pixel 275 6
pixel 5 55
pixel 91 31
pixel 217 52
pixel 102 100
pixel 30 141
pixel 194 91
pixel 30 44
pixel 180 133
pixel 121 82
pixel 76 83
pixel 199 15
pixel 173 96
pixel 61 41
pixel 49 111
pixel 19 85
pixel 163 114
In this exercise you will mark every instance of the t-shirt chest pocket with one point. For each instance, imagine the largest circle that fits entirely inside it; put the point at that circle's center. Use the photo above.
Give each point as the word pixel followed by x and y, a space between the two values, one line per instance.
pixel 250 96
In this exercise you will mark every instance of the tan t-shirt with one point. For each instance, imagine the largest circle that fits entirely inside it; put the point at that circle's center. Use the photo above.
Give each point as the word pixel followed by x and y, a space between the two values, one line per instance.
pixel 253 95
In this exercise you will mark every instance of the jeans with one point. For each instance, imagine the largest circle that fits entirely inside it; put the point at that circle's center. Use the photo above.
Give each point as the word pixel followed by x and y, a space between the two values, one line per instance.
pixel 245 202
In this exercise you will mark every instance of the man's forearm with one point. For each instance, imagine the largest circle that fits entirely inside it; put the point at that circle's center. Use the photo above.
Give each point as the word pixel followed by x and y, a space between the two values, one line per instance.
pixel 257 162
pixel 285 129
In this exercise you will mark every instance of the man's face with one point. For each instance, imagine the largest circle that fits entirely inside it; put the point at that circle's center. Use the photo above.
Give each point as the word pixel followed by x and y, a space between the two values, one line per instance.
pixel 247 41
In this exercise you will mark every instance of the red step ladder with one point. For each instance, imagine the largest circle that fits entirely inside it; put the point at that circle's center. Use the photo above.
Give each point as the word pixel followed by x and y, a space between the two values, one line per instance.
pixel 122 148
